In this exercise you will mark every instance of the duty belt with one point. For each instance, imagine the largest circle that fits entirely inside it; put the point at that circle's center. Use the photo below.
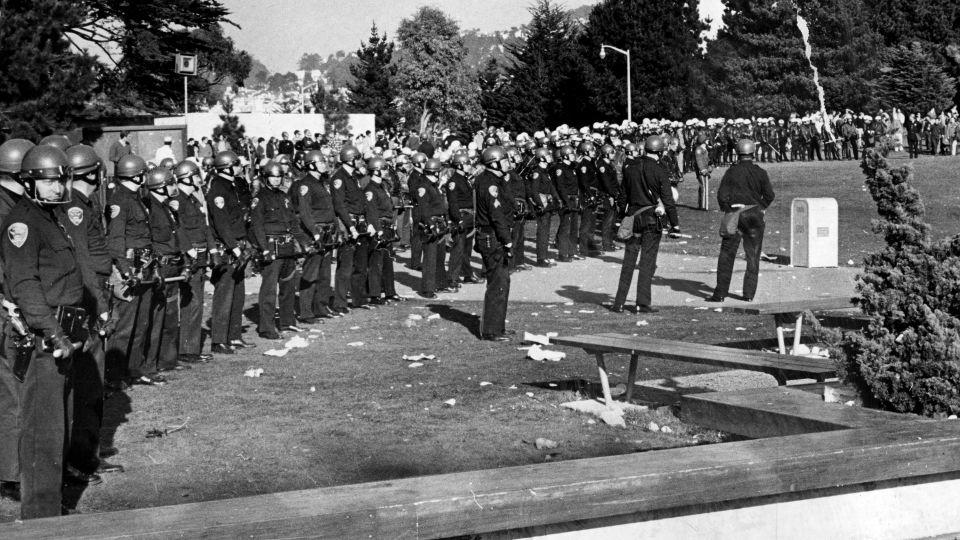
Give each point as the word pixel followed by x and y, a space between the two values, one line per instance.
pixel 175 258
pixel 285 238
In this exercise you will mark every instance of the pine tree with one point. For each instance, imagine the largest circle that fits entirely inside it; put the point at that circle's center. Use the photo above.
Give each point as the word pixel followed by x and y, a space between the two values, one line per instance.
pixel 908 358
pixel 231 128
pixel 544 86
pixel 432 77
pixel 756 66
pixel 664 43
pixel 371 92
pixel 912 77
pixel 44 81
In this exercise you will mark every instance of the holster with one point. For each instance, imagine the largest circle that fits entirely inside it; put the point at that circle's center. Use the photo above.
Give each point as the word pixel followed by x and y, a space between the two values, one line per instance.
pixel 329 237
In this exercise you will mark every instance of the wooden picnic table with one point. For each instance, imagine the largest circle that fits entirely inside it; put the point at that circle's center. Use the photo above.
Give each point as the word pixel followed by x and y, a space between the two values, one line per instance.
pixel 793 312
pixel 780 367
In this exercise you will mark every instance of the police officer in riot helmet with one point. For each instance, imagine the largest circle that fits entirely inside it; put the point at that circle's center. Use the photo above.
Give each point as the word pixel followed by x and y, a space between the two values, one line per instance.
pixel 744 195
pixel 649 199
pixel 493 241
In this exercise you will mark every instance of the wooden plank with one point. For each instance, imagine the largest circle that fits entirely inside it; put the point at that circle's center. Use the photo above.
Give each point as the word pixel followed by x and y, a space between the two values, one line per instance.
pixel 793 306
pixel 778 411
pixel 516 497
pixel 783 367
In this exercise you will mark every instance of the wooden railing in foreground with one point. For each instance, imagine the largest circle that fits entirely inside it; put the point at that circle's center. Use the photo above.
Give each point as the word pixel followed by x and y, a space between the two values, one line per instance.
pixel 645 485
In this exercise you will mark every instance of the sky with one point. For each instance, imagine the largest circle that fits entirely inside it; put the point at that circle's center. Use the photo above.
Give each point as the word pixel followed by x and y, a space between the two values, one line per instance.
pixel 278 32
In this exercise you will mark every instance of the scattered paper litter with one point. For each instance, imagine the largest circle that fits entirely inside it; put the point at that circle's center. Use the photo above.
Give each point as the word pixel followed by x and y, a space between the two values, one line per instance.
pixel 415 365
pixel 850 262
pixel 296 342
pixel 415 317
pixel 542 443
pixel 740 329
pixel 450 402
pixel 512 387
pixel 666 429
pixel 527 348
pixel 253 372
pixel 355 344
pixel 537 338
pixel 701 308
pixel 534 314
pixel 485 383
pixel 354 327
pixel 280 353
pixel 418 357
pixel 653 426
pixel 567 312
pixel 568 303
pixel 433 317
pixel 642 323
pixel 586 311
pixel 529 394
pixel 539 354
pixel 718 309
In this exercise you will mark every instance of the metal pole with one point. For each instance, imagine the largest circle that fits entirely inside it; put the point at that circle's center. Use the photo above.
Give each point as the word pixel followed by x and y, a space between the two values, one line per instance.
pixel 185 100
pixel 629 94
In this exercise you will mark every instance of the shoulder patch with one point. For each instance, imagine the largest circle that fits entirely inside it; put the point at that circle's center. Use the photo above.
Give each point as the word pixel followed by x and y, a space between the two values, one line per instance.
pixel 219 202
pixel 496 203
pixel 603 169
pixel 451 186
pixel 17 233
pixel 559 172
pixel 114 210
pixel 583 169
pixel 369 195
pixel 76 215
pixel 254 203
pixel 304 190
pixel 337 184
pixel 494 192
pixel 175 205
pixel 421 192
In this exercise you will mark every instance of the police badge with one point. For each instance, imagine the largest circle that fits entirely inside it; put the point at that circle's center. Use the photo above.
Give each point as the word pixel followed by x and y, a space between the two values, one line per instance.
pixel 18 234
pixel 76 216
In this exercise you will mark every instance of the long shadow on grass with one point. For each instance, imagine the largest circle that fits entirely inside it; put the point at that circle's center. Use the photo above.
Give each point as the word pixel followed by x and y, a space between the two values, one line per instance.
pixel 447 313
pixel 581 296
pixel 694 288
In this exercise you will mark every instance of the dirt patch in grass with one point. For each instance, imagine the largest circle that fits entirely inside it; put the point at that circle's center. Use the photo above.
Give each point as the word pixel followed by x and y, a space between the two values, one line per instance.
pixel 335 413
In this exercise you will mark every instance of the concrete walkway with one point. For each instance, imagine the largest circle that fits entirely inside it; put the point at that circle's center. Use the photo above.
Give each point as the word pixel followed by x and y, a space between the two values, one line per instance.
pixel 681 280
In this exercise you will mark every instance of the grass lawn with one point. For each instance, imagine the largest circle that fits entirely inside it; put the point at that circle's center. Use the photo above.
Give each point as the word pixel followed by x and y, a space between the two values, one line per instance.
pixel 336 413
pixel 938 180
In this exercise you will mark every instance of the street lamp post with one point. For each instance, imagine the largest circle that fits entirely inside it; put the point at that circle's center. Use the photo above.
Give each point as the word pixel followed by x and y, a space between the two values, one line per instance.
pixel 603 54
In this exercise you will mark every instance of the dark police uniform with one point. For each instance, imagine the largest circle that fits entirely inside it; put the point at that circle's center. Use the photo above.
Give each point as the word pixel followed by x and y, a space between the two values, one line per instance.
pixel 543 188
pixel 645 185
pixel 747 184
pixel 163 350
pixel 517 191
pixel 589 189
pixel 380 214
pixel 9 386
pixel 415 181
pixel 493 235
pixel 349 207
pixel 228 218
pixel 313 201
pixel 609 188
pixel 82 219
pixel 462 220
pixel 565 182
pixel 431 205
pixel 196 234
pixel 41 275
pixel 277 234
pixel 129 242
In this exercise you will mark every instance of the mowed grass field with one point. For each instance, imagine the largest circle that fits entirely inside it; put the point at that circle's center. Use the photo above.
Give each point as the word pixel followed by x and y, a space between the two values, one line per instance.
pixel 349 409
pixel 937 179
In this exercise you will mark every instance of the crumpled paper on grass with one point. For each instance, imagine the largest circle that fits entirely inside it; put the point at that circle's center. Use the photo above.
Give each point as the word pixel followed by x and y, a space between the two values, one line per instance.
pixel 419 357
pixel 279 353
pixel 296 342
pixel 253 372
pixel 539 354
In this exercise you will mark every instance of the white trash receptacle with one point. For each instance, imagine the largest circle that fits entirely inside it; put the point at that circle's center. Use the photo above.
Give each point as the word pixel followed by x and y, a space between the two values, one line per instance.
pixel 814 235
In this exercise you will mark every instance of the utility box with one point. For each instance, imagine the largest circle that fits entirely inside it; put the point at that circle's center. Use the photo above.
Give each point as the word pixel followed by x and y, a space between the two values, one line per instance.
pixel 814 235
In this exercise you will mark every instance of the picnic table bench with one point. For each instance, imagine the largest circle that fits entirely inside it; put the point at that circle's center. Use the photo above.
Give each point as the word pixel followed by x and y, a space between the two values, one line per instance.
pixel 793 312
pixel 782 368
